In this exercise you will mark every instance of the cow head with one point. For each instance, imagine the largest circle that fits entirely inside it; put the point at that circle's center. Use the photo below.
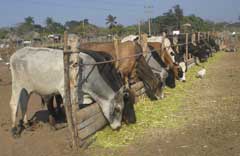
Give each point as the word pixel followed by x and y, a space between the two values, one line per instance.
pixel 183 70
pixel 104 84
pixel 175 72
pixel 116 111
pixel 170 80
pixel 202 55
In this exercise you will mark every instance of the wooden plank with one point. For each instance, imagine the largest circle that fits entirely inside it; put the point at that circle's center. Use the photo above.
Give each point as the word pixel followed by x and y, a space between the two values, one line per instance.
pixel 91 128
pixel 86 113
pixel 90 121
pixel 137 86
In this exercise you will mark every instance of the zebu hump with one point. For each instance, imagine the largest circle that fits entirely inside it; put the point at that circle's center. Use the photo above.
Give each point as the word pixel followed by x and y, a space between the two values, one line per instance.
pixel 38 69
pixel 29 53
pixel 21 53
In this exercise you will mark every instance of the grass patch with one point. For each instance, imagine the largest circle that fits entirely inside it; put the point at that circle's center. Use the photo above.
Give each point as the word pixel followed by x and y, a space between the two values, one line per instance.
pixel 153 114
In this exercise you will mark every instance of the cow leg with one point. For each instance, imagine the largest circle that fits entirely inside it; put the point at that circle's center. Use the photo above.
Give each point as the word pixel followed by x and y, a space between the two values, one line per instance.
pixel 19 97
pixel 59 101
pixel 52 114
pixel 14 109
pixel 162 90
pixel 23 105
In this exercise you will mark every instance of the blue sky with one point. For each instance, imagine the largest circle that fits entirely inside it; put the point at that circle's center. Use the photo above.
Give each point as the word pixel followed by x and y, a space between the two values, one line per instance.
pixel 128 12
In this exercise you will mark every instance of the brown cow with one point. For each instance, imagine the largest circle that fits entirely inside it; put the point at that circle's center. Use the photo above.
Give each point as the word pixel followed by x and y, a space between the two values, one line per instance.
pixel 133 68
pixel 125 66
pixel 163 48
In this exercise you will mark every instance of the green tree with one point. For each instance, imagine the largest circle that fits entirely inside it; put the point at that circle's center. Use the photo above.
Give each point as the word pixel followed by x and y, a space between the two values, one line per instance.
pixel 131 30
pixel 29 20
pixel 117 30
pixel 53 27
pixel 49 21
pixel 26 26
pixel 3 33
pixel 178 12
pixel 111 21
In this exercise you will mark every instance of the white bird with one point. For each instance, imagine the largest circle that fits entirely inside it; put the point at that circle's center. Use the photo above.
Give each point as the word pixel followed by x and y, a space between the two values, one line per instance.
pixel 201 73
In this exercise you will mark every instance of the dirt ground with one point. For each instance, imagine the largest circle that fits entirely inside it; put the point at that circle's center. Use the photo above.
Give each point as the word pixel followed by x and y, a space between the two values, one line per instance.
pixel 211 115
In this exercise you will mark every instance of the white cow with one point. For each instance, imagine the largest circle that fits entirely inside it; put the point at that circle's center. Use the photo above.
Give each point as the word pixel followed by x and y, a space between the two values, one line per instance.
pixel 41 71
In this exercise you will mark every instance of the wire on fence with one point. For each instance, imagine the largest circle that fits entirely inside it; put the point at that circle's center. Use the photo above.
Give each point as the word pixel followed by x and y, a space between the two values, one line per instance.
pixel 123 58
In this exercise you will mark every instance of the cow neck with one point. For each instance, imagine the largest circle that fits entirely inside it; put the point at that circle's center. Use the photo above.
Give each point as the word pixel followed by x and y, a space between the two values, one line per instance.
pixel 157 56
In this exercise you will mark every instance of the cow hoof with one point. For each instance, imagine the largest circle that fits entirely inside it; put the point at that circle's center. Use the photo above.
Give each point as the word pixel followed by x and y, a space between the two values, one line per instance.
pixel 52 123
pixel 16 132
pixel 29 126
pixel 60 126
pixel 52 128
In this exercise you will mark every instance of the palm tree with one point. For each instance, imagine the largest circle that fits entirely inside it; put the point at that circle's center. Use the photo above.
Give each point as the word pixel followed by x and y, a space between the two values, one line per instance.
pixel 111 21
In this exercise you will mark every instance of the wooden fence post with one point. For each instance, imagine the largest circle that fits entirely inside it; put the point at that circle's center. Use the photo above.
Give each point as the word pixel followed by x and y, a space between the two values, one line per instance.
pixel 194 38
pixel 67 94
pixel 186 52
pixel 208 36
pixel 199 38
pixel 176 43
pixel 139 30
pixel 116 46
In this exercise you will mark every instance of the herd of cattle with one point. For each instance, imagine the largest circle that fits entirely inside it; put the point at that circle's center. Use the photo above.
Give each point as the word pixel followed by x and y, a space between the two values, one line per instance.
pixel 141 64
